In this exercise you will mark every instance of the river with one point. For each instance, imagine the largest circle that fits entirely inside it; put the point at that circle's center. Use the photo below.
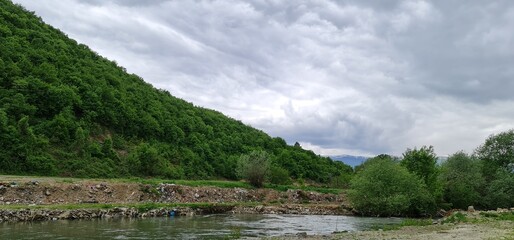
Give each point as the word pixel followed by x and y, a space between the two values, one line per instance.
pixel 218 226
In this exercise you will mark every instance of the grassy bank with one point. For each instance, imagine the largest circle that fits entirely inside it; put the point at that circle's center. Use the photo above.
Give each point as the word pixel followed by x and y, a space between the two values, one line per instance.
pixel 157 181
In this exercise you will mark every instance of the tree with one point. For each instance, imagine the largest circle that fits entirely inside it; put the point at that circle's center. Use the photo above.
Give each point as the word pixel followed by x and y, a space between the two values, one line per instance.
pixel 279 175
pixel 462 180
pixel 497 158
pixel 500 191
pixel 423 163
pixel 147 161
pixel 497 153
pixel 254 167
pixel 384 188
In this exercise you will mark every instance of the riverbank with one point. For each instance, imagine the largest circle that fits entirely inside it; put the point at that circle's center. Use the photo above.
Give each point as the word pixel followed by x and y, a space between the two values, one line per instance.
pixel 460 225
pixel 39 199
pixel 26 214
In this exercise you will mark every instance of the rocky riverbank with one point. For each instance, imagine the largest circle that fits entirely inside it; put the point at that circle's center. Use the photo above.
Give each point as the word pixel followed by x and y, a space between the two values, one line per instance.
pixel 23 215
pixel 39 200
pixel 45 193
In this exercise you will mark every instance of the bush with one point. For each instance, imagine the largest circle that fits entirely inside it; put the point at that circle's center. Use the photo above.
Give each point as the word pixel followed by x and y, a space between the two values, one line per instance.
pixel 279 175
pixel 254 167
pixel 500 191
pixel 341 181
pixel 462 180
pixel 384 188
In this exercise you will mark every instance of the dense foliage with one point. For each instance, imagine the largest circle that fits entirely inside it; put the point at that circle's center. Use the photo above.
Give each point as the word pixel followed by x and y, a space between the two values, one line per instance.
pixel 385 188
pixel 65 110
pixel 497 159
pixel 462 178
pixel 416 185
pixel 423 163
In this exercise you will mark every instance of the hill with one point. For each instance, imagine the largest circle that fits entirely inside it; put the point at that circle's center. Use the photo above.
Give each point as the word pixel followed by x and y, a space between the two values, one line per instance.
pixel 66 111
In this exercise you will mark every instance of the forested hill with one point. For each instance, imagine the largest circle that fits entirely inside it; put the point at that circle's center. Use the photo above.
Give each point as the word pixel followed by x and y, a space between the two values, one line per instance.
pixel 65 110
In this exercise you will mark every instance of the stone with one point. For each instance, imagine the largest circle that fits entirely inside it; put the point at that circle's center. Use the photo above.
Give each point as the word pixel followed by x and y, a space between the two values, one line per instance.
pixel 471 209
pixel 301 234
pixel 47 192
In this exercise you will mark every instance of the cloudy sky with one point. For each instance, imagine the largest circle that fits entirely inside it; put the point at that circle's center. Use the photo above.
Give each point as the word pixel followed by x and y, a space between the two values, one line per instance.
pixel 340 77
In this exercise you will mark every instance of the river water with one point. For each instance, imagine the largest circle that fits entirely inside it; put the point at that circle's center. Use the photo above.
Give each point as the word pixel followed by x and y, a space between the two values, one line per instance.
pixel 218 226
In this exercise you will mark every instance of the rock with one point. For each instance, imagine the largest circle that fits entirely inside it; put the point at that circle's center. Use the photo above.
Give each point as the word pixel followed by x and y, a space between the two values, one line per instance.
pixel 197 195
pixel 441 213
pixel 47 192
pixel 471 209
pixel 501 210
pixel 301 234
pixel 64 215
pixel 259 208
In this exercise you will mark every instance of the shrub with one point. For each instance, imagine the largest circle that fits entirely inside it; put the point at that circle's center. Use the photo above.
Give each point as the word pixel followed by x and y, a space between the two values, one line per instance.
pixel 384 188
pixel 279 175
pixel 254 167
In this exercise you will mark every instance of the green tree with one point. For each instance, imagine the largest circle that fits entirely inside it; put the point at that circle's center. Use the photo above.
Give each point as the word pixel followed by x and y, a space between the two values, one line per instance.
pixel 254 167
pixel 423 163
pixel 497 153
pixel 147 161
pixel 497 158
pixel 462 180
pixel 500 191
pixel 384 188
pixel 279 175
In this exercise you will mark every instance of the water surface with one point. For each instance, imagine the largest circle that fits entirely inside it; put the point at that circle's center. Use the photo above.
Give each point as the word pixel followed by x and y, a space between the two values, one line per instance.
pixel 217 226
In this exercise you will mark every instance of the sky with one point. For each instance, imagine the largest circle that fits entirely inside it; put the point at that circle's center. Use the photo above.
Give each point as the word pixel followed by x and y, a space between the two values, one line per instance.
pixel 355 77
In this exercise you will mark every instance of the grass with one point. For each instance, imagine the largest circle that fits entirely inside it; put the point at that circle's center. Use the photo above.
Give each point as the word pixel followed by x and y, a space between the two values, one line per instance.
pixel 502 216
pixel 143 207
pixel 456 218
pixel 405 223
pixel 283 188
pixel 191 183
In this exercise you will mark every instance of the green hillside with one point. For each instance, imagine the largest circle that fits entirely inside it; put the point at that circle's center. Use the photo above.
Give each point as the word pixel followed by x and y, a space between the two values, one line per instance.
pixel 66 111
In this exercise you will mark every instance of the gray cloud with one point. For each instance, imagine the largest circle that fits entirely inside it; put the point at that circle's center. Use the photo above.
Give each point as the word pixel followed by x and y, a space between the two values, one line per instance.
pixel 360 77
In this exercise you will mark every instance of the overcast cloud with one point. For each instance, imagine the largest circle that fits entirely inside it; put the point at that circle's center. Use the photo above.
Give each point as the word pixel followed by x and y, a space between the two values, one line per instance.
pixel 340 77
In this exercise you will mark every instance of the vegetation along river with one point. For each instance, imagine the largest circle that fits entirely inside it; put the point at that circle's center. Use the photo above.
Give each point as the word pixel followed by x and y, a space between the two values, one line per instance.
pixel 219 226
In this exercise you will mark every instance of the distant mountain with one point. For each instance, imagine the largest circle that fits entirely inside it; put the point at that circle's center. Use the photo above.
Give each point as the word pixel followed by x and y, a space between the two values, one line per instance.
pixel 357 160
pixel 349 159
